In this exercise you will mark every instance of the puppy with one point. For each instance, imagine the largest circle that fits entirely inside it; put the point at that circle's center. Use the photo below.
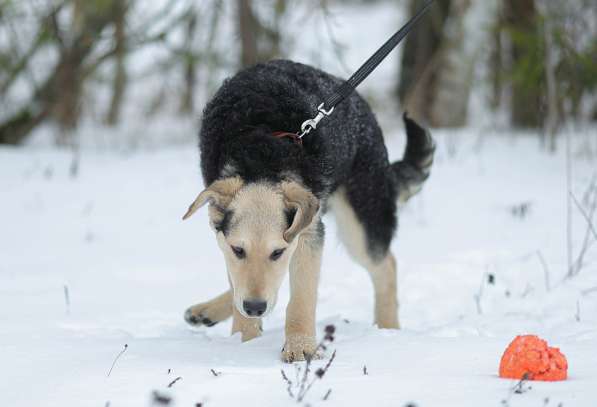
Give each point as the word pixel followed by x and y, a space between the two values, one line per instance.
pixel 267 194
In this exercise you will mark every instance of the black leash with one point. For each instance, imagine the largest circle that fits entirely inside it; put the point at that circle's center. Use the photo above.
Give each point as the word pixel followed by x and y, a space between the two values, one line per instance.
pixel 327 107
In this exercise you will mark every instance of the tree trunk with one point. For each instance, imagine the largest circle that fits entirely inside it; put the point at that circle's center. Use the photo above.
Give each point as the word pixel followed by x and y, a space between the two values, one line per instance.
pixel 520 16
pixel 120 77
pixel 496 62
pixel 421 60
pixel 449 106
pixel 59 97
pixel 16 128
pixel 249 31
pixel 187 103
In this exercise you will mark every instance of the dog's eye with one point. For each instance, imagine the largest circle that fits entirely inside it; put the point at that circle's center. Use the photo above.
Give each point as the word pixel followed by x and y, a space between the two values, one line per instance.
pixel 276 254
pixel 239 252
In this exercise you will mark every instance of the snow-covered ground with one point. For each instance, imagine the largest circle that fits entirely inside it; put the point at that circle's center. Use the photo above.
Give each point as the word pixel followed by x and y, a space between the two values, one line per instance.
pixel 113 237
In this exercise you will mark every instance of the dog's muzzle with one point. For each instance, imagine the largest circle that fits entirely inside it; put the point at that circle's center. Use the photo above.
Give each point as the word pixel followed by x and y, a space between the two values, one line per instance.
pixel 254 308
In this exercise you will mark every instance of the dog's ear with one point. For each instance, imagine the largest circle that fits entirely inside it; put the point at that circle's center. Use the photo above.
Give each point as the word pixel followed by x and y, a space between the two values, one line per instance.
pixel 304 205
pixel 219 194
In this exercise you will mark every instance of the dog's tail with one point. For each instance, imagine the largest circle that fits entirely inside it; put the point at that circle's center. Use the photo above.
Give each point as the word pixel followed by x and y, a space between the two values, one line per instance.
pixel 415 167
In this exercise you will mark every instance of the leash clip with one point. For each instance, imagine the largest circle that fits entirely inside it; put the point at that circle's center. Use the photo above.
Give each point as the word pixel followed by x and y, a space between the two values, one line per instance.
pixel 311 124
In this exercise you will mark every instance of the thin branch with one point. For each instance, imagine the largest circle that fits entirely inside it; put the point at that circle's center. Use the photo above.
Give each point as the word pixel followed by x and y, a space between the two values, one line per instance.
pixel 318 376
pixel 287 380
pixel 67 299
pixel 55 27
pixel 569 231
pixel 116 358
pixel 40 39
pixel 479 294
pixel 585 215
pixel 174 381
pixel 134 41
pixel 586 198
pixel 545 269
pixel 578 263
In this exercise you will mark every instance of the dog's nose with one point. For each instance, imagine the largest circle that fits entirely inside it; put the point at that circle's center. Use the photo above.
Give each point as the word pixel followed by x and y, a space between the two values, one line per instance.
pixel 254 308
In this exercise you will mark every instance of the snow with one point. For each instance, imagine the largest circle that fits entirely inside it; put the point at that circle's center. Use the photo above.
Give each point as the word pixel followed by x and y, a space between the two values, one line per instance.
pixel 113 236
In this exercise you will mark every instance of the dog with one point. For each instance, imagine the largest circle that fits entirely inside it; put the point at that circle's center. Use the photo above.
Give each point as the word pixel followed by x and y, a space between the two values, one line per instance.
pixel 267 194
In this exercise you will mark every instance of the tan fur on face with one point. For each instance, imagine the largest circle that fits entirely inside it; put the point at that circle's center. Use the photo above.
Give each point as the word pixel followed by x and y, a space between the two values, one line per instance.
pixel 257 226
pixel 257 222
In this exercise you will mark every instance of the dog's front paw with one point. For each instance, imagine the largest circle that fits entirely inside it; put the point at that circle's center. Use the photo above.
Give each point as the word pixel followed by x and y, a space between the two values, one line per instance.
pixel 201 314
pixel 299 347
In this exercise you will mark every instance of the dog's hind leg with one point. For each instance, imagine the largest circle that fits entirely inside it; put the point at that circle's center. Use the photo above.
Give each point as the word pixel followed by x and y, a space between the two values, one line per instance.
pixel 367 241
pixel 211 312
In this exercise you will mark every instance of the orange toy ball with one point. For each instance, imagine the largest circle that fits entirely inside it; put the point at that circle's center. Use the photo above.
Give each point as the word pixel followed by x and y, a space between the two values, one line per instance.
pixel 530 355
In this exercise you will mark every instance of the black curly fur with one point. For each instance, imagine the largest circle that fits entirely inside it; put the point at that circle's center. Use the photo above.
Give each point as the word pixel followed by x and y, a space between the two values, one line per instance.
pixel 346 149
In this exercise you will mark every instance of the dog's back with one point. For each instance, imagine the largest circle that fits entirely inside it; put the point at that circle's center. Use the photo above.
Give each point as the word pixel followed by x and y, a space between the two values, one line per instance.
pixel 236 135
pixel 238 123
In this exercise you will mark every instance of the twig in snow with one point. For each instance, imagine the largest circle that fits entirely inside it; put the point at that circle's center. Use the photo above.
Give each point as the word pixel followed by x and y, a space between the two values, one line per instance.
pixel 365 372
pixel 491 280
pixel 520 210
pixel 589 291
pixel 213 372
pixel 588 219
pixel 586 198
pixel 174 381
pixel 160 399
pixel 288 382
pixel 577 315
pixel 116 358
pixel 569 244
pixel 327 394
pixel 67 299
pixel 299 389
pixel 527 290
pixel 518 388
pixel 545 269
pixel 319 373
pixel 577 265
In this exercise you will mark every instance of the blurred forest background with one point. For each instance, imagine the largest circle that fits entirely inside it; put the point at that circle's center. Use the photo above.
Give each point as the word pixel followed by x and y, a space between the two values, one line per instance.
pixel 68 65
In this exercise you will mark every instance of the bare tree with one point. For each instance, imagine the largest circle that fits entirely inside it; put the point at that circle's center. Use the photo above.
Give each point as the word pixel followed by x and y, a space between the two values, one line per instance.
pixel 421 60
pixel 520 19
pixel 59 96
pixel 119 81
pixel 449 106
pixel 260 41
pixel 248 27
pixel 190 57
